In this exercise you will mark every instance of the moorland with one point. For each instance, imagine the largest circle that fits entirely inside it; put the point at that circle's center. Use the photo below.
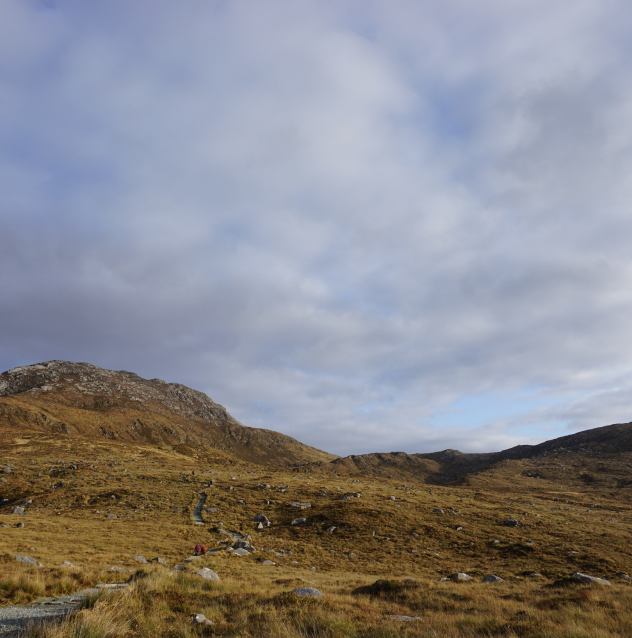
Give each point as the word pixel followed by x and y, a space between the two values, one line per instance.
pixel 101 471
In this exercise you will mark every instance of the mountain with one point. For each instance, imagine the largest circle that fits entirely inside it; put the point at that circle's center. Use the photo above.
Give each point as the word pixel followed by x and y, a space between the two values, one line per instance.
pixel 82 400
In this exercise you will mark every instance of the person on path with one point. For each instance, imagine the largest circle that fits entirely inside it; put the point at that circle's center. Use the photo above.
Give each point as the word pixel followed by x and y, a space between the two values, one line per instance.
pixel 203 550
pixel 197 550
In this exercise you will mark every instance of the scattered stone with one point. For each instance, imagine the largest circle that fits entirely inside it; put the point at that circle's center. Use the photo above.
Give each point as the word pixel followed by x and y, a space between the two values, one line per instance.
pixel 438 511
pixel 268 562
pixel 490 578
pixel 140 559
pixel 20 525
pixel 623 576
pixel 67 563
pixel 160 561
pixel 260 518
pixel 111 516
pixel 346 497
pixel 299 521
pixel 2 479
pixel 7 470
pixel 405 618
pixel 201 619
pixel 308 591
pixel 208 574
pixel 17 510
pixel 27 560
pixel 118 569
pixel 241 501
pixel 260 526
pixel 241 552
pixel 244 545
pixel 300 505
pixel 512 522
pixel 590 579
pixel 332 528
pixel 460 577
pixel 391 498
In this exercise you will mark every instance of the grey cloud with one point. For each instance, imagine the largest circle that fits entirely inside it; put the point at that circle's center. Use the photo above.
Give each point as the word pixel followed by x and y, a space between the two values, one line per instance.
pixel 335 218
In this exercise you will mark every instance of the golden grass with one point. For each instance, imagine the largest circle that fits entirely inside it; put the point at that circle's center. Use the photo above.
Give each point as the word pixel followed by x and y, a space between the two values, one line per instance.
pixel 562 532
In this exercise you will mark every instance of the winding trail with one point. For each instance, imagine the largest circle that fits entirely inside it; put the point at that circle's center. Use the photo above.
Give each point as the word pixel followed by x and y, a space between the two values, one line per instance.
pixel 197 510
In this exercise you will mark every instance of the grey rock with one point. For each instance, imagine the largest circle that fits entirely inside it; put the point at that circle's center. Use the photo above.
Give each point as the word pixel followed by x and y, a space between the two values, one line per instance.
pixel 590 579
pixel 140 559
pixel 391 498
pixel 268 562
pixel 201 619
pixel 332 528
pixel 512 522
pixel 438 511
pixel 490 578
pixel 405 618
pixel 7 470
pixel 20 525
pixel 260 518
pixel 460 577
pixel 241 552
pixel 118 569
pixel 2 479
pixel 27 560
pixel 111 516
pixel 160 561
pixel 346 497
pixel 17 510
pixel 300 505
pixel 67 564
pixel 308 591
pixel 243 545
pixel 623 576
pixel 260 526
pixel 299 521
pixel 208 574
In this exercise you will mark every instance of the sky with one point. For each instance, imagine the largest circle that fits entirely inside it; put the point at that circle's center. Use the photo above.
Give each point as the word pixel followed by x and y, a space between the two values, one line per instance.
pixel 373 226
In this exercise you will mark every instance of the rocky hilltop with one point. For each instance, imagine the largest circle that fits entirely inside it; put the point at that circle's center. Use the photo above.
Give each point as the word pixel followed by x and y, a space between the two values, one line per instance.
pixel 81 399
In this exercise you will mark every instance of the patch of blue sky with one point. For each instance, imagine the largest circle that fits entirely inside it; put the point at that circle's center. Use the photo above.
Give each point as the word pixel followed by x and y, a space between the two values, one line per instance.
pixel 512 410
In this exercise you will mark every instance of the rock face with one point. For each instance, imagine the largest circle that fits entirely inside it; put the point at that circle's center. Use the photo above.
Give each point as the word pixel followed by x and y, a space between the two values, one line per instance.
pixel 308 591
pixel 590 579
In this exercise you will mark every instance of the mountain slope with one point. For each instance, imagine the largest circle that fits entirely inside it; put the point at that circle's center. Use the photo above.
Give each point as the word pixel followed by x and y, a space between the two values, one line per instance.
pixel 81 399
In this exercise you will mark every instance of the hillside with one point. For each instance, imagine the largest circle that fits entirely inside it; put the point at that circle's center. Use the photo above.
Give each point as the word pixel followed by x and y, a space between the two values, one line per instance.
pixel 69 399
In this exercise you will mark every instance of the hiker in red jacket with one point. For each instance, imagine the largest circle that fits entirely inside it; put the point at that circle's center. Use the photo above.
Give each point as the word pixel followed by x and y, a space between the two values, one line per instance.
pixel 203 550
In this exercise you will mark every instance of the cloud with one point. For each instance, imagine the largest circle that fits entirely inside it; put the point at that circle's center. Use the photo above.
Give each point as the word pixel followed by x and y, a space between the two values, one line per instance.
pixel 338 219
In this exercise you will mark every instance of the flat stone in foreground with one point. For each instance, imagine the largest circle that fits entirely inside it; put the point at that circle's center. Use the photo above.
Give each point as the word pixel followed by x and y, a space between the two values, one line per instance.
pixel 590 579
pixel 308 591
pixel 405 618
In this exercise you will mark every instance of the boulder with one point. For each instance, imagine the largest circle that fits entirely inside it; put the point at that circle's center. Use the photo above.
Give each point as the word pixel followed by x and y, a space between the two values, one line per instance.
pixel 7 470
pixel 308 591
pixel 299 521
pixel 140 559
pixel 490 578
pixel 300 505
pixel 590 579
pixel 118 569
pixel 208 574
pixel 346 497
pixel 111 516
pixel 460 577
pixel 243 545
pixel 20 525
pixel 512 522
pixel 260 526
pixel 391 498
pixel 201 619
pixel 2 479
pixel 438 511
pixel 332 528
pixel 17 510
pixel 160 561
pixel 27 560
pixel 260 518
pixel 67 564
pixel 268 562
pixel 623 576
pixel 241 552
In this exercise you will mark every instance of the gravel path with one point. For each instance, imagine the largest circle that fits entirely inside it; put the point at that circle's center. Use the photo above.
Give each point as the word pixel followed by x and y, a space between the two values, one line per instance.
pixel 197 510
pixel 14 620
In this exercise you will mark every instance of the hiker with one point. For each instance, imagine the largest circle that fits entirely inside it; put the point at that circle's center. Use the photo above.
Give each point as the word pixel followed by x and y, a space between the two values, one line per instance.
pixel 203 550
pixel 197 550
